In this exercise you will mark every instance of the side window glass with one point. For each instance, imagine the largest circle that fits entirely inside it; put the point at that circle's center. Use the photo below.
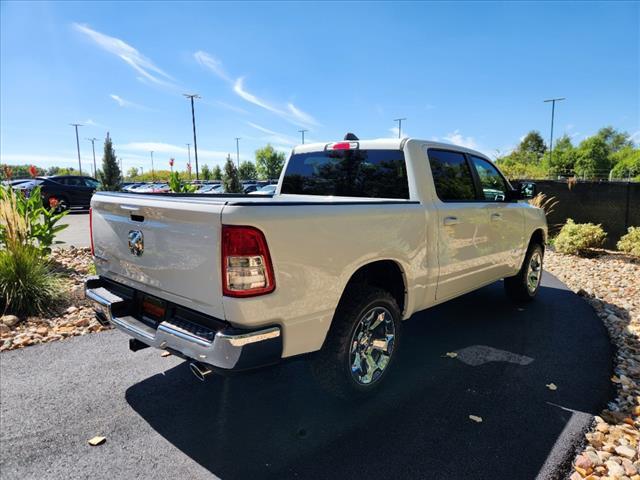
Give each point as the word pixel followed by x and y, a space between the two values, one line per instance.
pixel 494 188
pixel 451 176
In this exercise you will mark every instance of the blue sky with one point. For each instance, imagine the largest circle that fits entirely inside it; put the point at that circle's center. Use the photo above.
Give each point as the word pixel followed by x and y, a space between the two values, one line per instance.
pixel 468 73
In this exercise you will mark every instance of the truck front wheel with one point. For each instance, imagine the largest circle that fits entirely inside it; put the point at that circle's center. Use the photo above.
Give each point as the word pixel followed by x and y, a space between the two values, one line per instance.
pixel 525 285
pixel 361 344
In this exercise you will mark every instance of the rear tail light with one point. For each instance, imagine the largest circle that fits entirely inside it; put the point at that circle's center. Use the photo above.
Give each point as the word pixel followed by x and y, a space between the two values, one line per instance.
pixel 246 264
pixel 91 229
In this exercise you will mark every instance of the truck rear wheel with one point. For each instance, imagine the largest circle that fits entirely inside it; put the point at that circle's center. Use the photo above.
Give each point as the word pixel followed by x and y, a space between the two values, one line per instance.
pixel 361 345
pixel 524 286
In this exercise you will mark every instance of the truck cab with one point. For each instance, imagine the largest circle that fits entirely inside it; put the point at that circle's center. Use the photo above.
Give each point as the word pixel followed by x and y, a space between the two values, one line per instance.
pixel 358 236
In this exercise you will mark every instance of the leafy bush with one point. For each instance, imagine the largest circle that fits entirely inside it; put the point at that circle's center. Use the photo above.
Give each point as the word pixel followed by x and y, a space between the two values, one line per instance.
pixel 178 186
pixel 630 243
pixel 579 238
pixel 28 286
pixel 24 220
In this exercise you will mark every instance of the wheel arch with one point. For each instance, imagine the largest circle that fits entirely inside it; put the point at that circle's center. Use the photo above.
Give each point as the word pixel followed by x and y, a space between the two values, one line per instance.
pixel 387 274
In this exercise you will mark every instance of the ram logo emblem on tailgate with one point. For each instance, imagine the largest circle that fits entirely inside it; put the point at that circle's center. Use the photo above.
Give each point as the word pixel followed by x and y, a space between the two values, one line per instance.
pixel 136 242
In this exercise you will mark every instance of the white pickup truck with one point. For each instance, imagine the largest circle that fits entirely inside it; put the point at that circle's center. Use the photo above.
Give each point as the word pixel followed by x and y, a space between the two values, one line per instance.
pixel 359 235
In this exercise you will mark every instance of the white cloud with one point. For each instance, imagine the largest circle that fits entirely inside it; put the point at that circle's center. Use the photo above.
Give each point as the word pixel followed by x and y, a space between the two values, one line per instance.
pixel 128 54
pixel 39 160
pixel 274 137
pixel 289 112
pixel 302 116
pixel 228 106
pixel 90 123
pixel 213 64
pixel 458 139
pixel 126 103
pixel 294 115
pixel 170 149
pixel 394 132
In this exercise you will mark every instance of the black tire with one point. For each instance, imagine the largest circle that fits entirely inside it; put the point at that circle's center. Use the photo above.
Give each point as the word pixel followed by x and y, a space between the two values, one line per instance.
pixel 332 366
pixel 518 287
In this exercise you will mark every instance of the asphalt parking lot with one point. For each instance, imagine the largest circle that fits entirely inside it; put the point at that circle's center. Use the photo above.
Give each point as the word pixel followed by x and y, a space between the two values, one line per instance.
pixel 162 423
pixel 77 233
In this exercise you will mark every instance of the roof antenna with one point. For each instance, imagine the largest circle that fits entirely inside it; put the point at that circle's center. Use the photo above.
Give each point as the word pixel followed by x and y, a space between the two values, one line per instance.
pixel 351 136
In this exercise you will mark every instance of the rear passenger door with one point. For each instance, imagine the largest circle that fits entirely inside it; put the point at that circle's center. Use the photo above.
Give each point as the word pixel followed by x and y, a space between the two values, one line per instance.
pixel 464 248
pixel 506 218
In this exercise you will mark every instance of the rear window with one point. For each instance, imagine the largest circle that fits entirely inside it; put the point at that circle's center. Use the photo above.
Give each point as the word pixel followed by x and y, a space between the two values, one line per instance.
pixel 348 173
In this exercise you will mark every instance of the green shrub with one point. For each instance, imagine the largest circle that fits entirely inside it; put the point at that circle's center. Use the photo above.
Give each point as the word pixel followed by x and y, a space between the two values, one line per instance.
pixel 579 238
pixel 28 286
pixel 630 243
pixel 24 220
pixel 178 186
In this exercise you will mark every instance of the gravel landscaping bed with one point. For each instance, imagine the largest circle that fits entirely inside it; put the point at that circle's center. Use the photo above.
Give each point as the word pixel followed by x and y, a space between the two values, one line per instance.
pixel 610 282
pixel 73 316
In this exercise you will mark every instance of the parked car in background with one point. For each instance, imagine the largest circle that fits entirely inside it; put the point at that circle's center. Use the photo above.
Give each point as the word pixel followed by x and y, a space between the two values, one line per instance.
pixel 153 188
pixel 207 188
pixel 249 187
pixel 266 190
pixel 63 191
pixel 360 236
pixel 131 186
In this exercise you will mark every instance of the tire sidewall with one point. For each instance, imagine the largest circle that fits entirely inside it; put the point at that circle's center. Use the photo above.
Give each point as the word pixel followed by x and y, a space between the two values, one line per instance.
pixel 525 269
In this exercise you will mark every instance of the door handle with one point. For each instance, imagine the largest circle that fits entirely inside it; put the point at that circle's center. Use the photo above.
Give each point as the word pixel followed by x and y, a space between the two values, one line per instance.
pixel 451 221
pixel 496 216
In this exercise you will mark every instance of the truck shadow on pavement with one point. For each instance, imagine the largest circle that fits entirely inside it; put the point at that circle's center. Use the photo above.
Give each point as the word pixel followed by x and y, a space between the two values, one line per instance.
pixel 276 423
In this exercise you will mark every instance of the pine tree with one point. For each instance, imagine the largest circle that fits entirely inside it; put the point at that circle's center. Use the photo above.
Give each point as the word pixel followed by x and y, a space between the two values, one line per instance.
pixel 110 174
pixel 230 178
pixel 217 173
pixel 206 172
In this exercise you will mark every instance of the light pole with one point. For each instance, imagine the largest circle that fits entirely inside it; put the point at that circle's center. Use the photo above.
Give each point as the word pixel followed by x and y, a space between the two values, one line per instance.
pixel 141 171
pixel 189 162
pixel 76 125
pixel 302 132
pixel 399 120
pixel 238 151
pixel 153 172
pixel 553 112
pixel 93 146
pixel 191 96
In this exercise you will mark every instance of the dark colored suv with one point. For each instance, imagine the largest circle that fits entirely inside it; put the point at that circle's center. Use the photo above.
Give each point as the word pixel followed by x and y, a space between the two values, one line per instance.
pixel 63 191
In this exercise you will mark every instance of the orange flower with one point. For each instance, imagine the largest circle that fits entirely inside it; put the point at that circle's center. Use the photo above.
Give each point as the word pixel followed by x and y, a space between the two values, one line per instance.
pixel 53 203
pixel 33 171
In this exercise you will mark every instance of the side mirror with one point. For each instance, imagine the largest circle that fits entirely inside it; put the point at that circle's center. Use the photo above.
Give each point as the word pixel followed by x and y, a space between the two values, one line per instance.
pixel 523 191
pixel 528 190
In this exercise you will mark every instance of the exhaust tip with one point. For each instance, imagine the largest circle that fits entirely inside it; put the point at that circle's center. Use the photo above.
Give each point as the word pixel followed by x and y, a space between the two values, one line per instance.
pixel 200 371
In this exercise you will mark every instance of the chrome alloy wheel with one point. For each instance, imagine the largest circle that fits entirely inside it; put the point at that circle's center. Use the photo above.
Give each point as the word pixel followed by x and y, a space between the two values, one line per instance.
pixel 534 271
pixel 372 345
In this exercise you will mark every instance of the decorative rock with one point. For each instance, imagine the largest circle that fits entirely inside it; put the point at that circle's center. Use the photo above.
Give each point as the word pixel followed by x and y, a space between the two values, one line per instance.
pixel 9 320
pixel 72 309
pixel 629 468
pixel 584 462
pixel 4 329
pixel 626 451
pixel 615 469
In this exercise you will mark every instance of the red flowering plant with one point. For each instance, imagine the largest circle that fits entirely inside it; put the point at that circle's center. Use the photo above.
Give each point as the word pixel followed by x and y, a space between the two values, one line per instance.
pixel 33 171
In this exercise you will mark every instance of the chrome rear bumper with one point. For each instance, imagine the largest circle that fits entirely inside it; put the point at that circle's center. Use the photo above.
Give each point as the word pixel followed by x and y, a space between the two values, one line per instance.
pixel 225 348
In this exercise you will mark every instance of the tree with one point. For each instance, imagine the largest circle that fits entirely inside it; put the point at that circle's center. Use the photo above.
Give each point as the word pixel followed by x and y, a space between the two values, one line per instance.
pixel 110 174
pixel 269 162
pixel 592 159
pixel 216 174
pixel 247 171
pixel 614 139
pixel 564 158
pixel 533 143
pixel 132 172
pixel 230 179
pixel 626 163
pixel 206 172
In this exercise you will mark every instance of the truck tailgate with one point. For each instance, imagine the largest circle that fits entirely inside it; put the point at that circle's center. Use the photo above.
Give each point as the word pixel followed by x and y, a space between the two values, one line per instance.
pixel 180 249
